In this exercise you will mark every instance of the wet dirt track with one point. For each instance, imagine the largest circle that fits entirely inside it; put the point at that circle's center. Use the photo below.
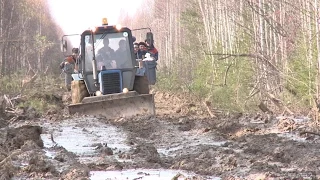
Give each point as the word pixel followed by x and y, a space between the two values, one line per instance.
pixel 182 137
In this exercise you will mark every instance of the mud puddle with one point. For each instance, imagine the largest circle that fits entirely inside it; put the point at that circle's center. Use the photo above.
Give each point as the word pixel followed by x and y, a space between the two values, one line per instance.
pixel 84 137
pixel 84 140
pixel 289 127
pixel 187 140
pixel 162 147
pixel 158 148
pixel 88 139
pixel 152 174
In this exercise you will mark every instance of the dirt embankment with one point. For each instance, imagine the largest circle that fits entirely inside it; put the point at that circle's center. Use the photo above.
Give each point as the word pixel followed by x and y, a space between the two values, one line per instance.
pixel 23 156
pixel 22 151
pixel 185 135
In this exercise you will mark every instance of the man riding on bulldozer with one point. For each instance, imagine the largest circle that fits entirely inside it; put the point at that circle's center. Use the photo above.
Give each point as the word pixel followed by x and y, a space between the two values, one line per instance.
pixel 69 66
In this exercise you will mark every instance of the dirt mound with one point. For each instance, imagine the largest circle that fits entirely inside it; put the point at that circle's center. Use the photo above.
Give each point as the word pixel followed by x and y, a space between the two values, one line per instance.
pixel 32 106
pixel 201 161
pixel 3 122
pixel 16 137
pixel 76 173
pixel 172 105
pixel 15 142
pixel 138 126
pixel 38 163
pixel 147 151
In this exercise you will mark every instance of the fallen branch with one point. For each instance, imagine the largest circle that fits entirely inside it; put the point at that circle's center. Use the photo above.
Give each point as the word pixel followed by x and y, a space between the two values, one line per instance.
pixel 264 108
pixel 10 110
pixel 9 102
pixel 309 132
pixel 46 70
pixel 17 97
pixel 207 105
pixel 258 56
pixel 226 74
pixel 9 158
pixel 278 103
pixel 252 93
pixel 13 120
pixel 27 81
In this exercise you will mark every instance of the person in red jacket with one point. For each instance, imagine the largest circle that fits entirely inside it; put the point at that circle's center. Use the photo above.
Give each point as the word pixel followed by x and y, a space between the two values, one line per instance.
pixel 152 50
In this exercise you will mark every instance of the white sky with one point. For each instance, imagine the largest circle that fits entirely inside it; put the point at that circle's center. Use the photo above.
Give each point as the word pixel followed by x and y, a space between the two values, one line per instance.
pixel 75 16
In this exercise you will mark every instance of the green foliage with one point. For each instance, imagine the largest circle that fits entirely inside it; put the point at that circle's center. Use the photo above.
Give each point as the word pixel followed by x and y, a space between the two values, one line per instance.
pixel 202 78
pixel 40 101
pixel 301 81
pixel 227 90
pixel 41 95
pixel 191 20
pixel 166 81
pixel 35 103
pixel 11 84
pixel 229 81
pixel 207 74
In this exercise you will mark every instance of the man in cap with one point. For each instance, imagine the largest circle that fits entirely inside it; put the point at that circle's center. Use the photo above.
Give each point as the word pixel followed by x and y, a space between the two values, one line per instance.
pixel 105 54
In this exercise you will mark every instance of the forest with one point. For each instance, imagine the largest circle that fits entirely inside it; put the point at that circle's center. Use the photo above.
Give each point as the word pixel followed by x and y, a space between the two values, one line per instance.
pixel 243 55
pixel 237 53
pixel 30 38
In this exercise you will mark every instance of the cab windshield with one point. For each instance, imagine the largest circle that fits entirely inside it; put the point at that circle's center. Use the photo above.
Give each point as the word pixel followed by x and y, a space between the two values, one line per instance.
pixel 112 51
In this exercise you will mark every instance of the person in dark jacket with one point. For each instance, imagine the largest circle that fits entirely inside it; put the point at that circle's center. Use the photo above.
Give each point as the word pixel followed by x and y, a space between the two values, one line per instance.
pixel 142 50
pixel 136 49
pixel 105 55
pixel 121 54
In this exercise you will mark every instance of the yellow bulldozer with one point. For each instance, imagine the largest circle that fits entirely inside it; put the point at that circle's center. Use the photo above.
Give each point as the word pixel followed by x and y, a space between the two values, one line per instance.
pixel 110 80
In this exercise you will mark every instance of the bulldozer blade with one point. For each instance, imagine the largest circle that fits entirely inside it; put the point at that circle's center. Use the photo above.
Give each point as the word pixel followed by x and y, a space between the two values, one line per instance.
pixel 116 105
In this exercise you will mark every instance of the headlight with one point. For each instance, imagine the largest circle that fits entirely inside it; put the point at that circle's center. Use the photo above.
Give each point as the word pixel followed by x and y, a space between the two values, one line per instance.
pixel 98 93
pixel 93 29
pixel 118 27
pixel 125 90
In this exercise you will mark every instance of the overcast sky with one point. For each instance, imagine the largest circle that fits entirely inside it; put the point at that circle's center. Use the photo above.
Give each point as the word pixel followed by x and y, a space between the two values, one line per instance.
pixel 74 16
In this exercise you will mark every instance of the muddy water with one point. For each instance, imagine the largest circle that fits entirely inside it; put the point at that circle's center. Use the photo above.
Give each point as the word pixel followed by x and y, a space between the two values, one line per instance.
pixel 145 174
pixel 187 140
pixel 137 145
pixel 161 147
pixel 83 137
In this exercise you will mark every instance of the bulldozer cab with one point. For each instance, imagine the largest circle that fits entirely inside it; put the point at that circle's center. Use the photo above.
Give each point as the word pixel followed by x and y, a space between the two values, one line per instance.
pixel 112 50
pixel 108 82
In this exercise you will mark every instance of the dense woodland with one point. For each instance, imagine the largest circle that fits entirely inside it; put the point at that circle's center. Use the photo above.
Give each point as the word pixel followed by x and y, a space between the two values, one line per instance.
pixel 30 39
pixel 235 53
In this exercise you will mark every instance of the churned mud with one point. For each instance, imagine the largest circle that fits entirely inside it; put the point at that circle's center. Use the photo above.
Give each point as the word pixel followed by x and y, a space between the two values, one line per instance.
pixel 184 141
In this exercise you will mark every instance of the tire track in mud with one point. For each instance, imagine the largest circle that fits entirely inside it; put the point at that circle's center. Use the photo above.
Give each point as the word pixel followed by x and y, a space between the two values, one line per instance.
pixel 139 152
pixel 228 149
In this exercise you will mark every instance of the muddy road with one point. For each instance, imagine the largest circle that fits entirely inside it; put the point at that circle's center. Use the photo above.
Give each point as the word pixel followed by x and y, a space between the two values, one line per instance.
pixel 182 142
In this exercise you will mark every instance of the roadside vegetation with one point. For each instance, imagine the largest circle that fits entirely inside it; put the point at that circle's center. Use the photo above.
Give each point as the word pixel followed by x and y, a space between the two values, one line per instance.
pixel 240 55
pixel 39 93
